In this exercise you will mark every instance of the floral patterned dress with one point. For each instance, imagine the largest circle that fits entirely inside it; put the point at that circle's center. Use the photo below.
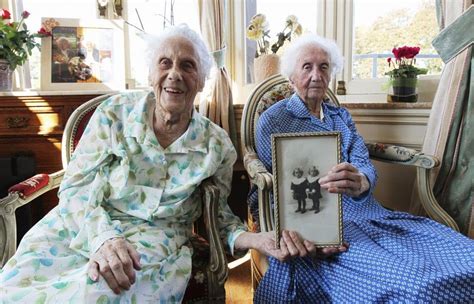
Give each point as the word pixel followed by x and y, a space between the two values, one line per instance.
pixel 393 257
pixel 122 183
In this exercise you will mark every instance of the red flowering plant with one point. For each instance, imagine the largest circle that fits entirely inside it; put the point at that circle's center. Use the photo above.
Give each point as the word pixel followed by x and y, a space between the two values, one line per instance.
pixel 16 42
pixel 403 65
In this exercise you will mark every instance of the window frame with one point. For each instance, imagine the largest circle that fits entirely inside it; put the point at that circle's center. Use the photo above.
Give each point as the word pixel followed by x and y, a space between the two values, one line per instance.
pixel 334 21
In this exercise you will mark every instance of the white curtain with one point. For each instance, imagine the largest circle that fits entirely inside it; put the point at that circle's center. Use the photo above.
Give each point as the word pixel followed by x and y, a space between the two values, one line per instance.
pixel 217 105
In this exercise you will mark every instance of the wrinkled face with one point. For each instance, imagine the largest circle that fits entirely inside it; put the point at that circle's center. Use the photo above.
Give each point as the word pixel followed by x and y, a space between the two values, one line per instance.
pixel 311 75
pixel 177 77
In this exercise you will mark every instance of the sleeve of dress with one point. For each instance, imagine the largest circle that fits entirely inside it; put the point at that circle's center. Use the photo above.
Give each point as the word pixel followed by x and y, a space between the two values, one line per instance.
pixel 230 225
pixel 358 155
pixel 85 187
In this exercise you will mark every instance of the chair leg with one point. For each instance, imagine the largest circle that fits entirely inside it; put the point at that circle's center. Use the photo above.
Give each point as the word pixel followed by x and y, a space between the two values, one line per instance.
pixel 256 276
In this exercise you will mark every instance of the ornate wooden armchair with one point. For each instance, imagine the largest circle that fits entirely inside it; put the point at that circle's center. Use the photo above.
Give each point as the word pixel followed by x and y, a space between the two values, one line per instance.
pixel 209 267
pixel 271 91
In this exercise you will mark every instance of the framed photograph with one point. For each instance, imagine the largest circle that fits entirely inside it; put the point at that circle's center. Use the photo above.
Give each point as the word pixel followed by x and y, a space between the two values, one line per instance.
pixel 299 160
pixel 82 55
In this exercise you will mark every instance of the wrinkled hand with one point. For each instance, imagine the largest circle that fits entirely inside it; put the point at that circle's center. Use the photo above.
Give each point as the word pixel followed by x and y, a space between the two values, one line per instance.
pixel 115 260
pixel 344 178
pixel 292 245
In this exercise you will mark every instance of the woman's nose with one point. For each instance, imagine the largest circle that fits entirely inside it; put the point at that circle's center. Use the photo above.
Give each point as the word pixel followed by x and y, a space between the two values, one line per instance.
pixel 316 75
pixel 174 74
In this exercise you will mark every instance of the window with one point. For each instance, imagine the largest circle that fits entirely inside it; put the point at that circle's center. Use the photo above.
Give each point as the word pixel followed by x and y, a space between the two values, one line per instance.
pixel 276 12
pixel 365 30
pixel 375 31
pixel 388 25
pixel 152 15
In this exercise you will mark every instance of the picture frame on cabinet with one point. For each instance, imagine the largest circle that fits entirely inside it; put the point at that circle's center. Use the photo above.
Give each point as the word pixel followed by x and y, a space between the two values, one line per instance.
pixel 300 204
pixel 82 54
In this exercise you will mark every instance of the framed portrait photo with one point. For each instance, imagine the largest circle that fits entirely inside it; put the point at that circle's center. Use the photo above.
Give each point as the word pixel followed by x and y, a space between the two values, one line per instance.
pixel 82 55
pixel 299 160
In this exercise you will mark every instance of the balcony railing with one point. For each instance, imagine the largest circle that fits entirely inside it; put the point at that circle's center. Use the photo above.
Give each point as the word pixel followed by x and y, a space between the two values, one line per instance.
pixel 374 58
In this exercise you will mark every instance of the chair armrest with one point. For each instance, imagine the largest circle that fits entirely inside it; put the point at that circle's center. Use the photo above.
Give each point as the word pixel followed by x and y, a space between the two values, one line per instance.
pixel 256 170
pixel 217 258
pixel 401 155
pixel 260 176
pixel 429 202
pixel 423 163
pixel 19 195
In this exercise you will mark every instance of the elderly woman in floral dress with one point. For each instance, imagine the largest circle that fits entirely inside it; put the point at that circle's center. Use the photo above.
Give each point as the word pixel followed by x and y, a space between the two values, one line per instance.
pixel 128 198
pixel 393 256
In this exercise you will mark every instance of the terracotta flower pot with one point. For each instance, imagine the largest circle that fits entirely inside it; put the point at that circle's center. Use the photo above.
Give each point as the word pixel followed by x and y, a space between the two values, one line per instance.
pixel 265 66
pixel 5 76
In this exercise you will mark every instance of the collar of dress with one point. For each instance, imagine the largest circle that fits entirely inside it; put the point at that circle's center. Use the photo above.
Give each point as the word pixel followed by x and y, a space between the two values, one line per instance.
pixel 138 125
pixel 297 106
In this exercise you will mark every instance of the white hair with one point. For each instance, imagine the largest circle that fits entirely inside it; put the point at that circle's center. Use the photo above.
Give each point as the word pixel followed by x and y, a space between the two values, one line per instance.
pixel 289 58
pixel 154 43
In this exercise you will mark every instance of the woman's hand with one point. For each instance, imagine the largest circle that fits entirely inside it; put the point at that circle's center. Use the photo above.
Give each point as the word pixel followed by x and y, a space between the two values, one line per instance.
pixel 346 179
pixel 291 245
pixel 115 261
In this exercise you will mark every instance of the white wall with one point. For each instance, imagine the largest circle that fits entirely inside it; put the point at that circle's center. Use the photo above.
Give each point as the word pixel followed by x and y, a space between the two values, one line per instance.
pixel 394 126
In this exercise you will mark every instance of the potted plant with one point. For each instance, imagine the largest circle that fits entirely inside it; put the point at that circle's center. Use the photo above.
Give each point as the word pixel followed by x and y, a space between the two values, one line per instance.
pixel 16 44
pixel 404 75
pixel 266 61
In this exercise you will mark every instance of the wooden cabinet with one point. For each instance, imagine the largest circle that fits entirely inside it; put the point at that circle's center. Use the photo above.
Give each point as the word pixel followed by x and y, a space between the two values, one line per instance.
pixel 33 125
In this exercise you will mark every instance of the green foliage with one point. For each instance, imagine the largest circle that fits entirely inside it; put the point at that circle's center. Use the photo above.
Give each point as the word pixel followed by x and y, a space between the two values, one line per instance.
pixel 397 28
pixel 16 42
pixel 406 71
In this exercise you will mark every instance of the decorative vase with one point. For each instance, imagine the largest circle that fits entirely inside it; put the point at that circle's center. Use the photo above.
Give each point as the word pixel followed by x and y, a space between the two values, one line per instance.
pixel 404 86
pixel 5 76
pixel 265 66
pixel 404 89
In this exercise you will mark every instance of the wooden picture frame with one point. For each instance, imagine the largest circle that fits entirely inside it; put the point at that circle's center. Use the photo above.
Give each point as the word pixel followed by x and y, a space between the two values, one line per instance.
pixel 82 55
pixel 296 197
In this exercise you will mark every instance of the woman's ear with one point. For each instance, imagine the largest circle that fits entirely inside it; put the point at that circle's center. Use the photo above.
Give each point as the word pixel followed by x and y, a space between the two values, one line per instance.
pixel 290 79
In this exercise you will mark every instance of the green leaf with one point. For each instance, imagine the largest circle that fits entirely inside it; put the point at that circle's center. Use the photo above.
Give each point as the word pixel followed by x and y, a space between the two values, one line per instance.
pixel 90 281
pixel 103 299
pixel 40 278
pixel 60 285
pixel 25 282
pixel 146 244
pixel 41 299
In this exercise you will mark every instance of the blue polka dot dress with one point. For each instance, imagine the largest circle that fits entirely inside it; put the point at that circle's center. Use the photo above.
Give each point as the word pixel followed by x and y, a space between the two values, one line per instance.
pixel 393 256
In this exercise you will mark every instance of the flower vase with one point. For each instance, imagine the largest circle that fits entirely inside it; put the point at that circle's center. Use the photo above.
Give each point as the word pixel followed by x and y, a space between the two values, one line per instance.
pixel 265 66
pixel 404 89
pixel 5 76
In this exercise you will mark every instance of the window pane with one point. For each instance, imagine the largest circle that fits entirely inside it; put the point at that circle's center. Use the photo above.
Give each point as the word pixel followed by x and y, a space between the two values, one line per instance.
pixel 276 12
pixel 51 8
pixel 154 15
pixel 389 24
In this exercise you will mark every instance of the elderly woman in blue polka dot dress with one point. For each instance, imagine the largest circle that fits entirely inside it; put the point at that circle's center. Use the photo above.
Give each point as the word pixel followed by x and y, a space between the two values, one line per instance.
pixel 393 256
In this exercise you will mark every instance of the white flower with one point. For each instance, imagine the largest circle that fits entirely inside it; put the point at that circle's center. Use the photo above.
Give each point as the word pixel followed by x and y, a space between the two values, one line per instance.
pixel 260 22
pixel 258 30
pixel 291 20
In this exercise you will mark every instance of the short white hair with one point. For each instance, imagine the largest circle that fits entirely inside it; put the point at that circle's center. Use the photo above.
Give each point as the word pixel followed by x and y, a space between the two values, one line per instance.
pixel 154 43
pixel 289 58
